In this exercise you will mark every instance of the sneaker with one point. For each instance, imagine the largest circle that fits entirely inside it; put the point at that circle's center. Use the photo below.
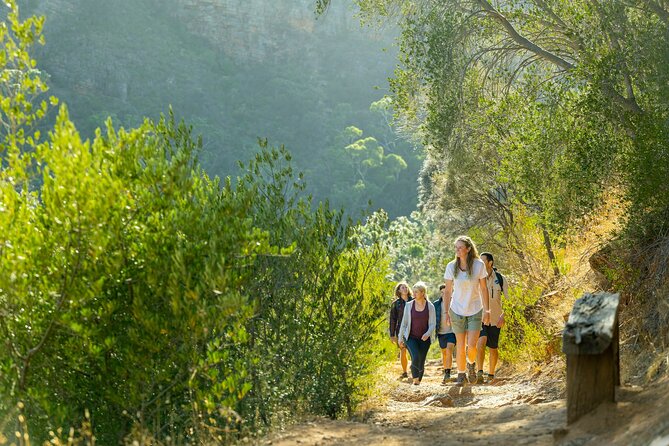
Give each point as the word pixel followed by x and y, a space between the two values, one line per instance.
pixel 416 381
pixel 471 373
pixel 447 376
pixel 460 381
pixel 479 376
pixel 404 375
pixel 490 378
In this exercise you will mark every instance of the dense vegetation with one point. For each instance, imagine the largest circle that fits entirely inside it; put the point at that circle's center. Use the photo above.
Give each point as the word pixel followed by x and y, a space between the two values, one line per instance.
pixel 142 297
pixel 536 116
pixel 172 306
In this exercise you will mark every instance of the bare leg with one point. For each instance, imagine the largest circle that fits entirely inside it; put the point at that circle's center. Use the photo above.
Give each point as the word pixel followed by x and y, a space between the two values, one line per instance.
pixel 472 339
pixel 445 359
pixel 403 358
pixel 492 361
pixel 448 361
pixel 480 355
pixel 460 354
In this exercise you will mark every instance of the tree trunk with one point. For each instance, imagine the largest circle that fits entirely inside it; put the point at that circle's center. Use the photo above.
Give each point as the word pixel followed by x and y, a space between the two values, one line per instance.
pixel 549 251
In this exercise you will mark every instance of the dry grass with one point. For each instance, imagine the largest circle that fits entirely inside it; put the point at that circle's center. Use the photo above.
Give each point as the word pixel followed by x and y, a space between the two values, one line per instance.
pixel 640 272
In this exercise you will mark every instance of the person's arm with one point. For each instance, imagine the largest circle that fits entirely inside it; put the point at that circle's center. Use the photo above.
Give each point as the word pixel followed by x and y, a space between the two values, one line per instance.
pixel 505 291
pixel 431 321
pixel 447 299
pixel 393 322
pixel 404 328
pixel 500 320
pixel 485 298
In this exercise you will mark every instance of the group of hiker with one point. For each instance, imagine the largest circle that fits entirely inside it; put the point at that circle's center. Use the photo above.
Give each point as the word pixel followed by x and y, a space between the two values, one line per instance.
pixel 467 315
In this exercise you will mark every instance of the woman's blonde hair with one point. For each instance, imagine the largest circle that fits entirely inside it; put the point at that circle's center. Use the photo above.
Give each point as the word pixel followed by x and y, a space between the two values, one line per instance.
pixel 421 286
pixel 397 289
pixel 471 255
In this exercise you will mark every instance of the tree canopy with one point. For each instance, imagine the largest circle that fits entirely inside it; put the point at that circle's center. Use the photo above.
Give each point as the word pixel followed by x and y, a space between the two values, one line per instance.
pixel 534 108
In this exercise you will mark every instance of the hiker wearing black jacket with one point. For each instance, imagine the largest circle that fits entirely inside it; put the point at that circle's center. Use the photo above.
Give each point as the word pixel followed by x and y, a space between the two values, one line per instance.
pixel 402 296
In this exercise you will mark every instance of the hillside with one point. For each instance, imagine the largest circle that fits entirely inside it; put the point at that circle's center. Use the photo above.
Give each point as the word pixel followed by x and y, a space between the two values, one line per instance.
pixel 237 71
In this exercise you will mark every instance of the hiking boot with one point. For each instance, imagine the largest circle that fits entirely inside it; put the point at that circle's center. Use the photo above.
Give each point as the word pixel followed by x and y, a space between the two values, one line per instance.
pixel 479 376
pixel 490 379
pixel 404 375
pixel 447 376
pixel 471 372
pixel 460 381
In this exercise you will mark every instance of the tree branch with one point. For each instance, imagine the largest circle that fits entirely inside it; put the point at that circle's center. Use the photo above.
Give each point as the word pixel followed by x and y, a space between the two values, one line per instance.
pixel 629 102
pixel 522 41
pixel 547 9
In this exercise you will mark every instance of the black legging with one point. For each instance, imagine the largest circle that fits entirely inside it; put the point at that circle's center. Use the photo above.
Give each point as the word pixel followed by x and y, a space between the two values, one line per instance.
pixel 418 350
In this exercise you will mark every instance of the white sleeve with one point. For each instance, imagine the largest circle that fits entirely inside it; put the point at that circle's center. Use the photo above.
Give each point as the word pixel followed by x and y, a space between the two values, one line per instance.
pixel 449 273
pixel 403 334
pixel 483 272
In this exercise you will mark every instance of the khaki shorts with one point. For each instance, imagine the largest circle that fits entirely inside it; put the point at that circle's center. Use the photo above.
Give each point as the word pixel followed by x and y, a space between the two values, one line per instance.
pixel 461 324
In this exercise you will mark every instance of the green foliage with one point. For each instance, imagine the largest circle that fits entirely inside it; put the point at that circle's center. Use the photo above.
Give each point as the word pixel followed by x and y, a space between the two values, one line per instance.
pixel 121 243
pixel 318 309
pixel 363 170
pixel 415 251
pixel 134 286
pixel 377 169
pixel 556 158
pixel 525 336
pixel 535 112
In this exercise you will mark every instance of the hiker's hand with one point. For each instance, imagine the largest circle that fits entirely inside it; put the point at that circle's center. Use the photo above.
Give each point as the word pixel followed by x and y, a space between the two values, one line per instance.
pixel 500 321
pixel 486 318
pixel 401 344
pixel 448 319
pixel 424 337
pixel 393 339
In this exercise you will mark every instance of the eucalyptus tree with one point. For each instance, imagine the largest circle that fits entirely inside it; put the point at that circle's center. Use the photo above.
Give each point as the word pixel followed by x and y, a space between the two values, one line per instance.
pixel 536 105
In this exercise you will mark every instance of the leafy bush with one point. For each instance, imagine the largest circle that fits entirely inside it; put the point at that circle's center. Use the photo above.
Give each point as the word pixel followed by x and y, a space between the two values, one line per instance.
pixel 317 310
pixel 164 302
pixel 525 337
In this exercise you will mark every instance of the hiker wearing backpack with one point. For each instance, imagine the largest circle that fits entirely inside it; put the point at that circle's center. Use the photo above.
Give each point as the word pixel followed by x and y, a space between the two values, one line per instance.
pixel 489 336
pixel 445 334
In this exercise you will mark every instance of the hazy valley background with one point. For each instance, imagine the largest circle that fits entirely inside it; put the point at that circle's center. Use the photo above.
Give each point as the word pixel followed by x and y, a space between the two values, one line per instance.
pixel 238 71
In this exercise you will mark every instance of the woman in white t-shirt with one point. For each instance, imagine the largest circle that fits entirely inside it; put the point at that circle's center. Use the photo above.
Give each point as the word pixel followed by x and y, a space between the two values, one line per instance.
pixel 466 297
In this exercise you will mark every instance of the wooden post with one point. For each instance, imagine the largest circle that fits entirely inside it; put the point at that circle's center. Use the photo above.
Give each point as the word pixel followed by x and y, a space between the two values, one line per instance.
pixel 590 341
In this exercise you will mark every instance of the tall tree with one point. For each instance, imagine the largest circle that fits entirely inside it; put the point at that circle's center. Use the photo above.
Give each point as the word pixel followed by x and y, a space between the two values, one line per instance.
pixel 540 104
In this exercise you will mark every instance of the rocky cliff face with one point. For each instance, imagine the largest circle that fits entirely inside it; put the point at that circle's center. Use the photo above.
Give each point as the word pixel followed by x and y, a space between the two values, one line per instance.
pixel 122 48
pixel 262 29
pixel 239 69
pixel 234 69
pixel 248 30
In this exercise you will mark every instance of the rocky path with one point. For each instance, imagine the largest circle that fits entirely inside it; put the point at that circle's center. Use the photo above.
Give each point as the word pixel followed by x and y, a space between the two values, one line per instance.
pixel 527 409
pixel 506 411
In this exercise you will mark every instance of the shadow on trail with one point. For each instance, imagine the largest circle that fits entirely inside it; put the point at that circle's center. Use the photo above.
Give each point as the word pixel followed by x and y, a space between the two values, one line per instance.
pixel 462 396
pixel 520 410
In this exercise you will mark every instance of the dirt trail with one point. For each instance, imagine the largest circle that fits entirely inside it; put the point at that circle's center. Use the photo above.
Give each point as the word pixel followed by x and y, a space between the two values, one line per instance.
pixel 509 411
